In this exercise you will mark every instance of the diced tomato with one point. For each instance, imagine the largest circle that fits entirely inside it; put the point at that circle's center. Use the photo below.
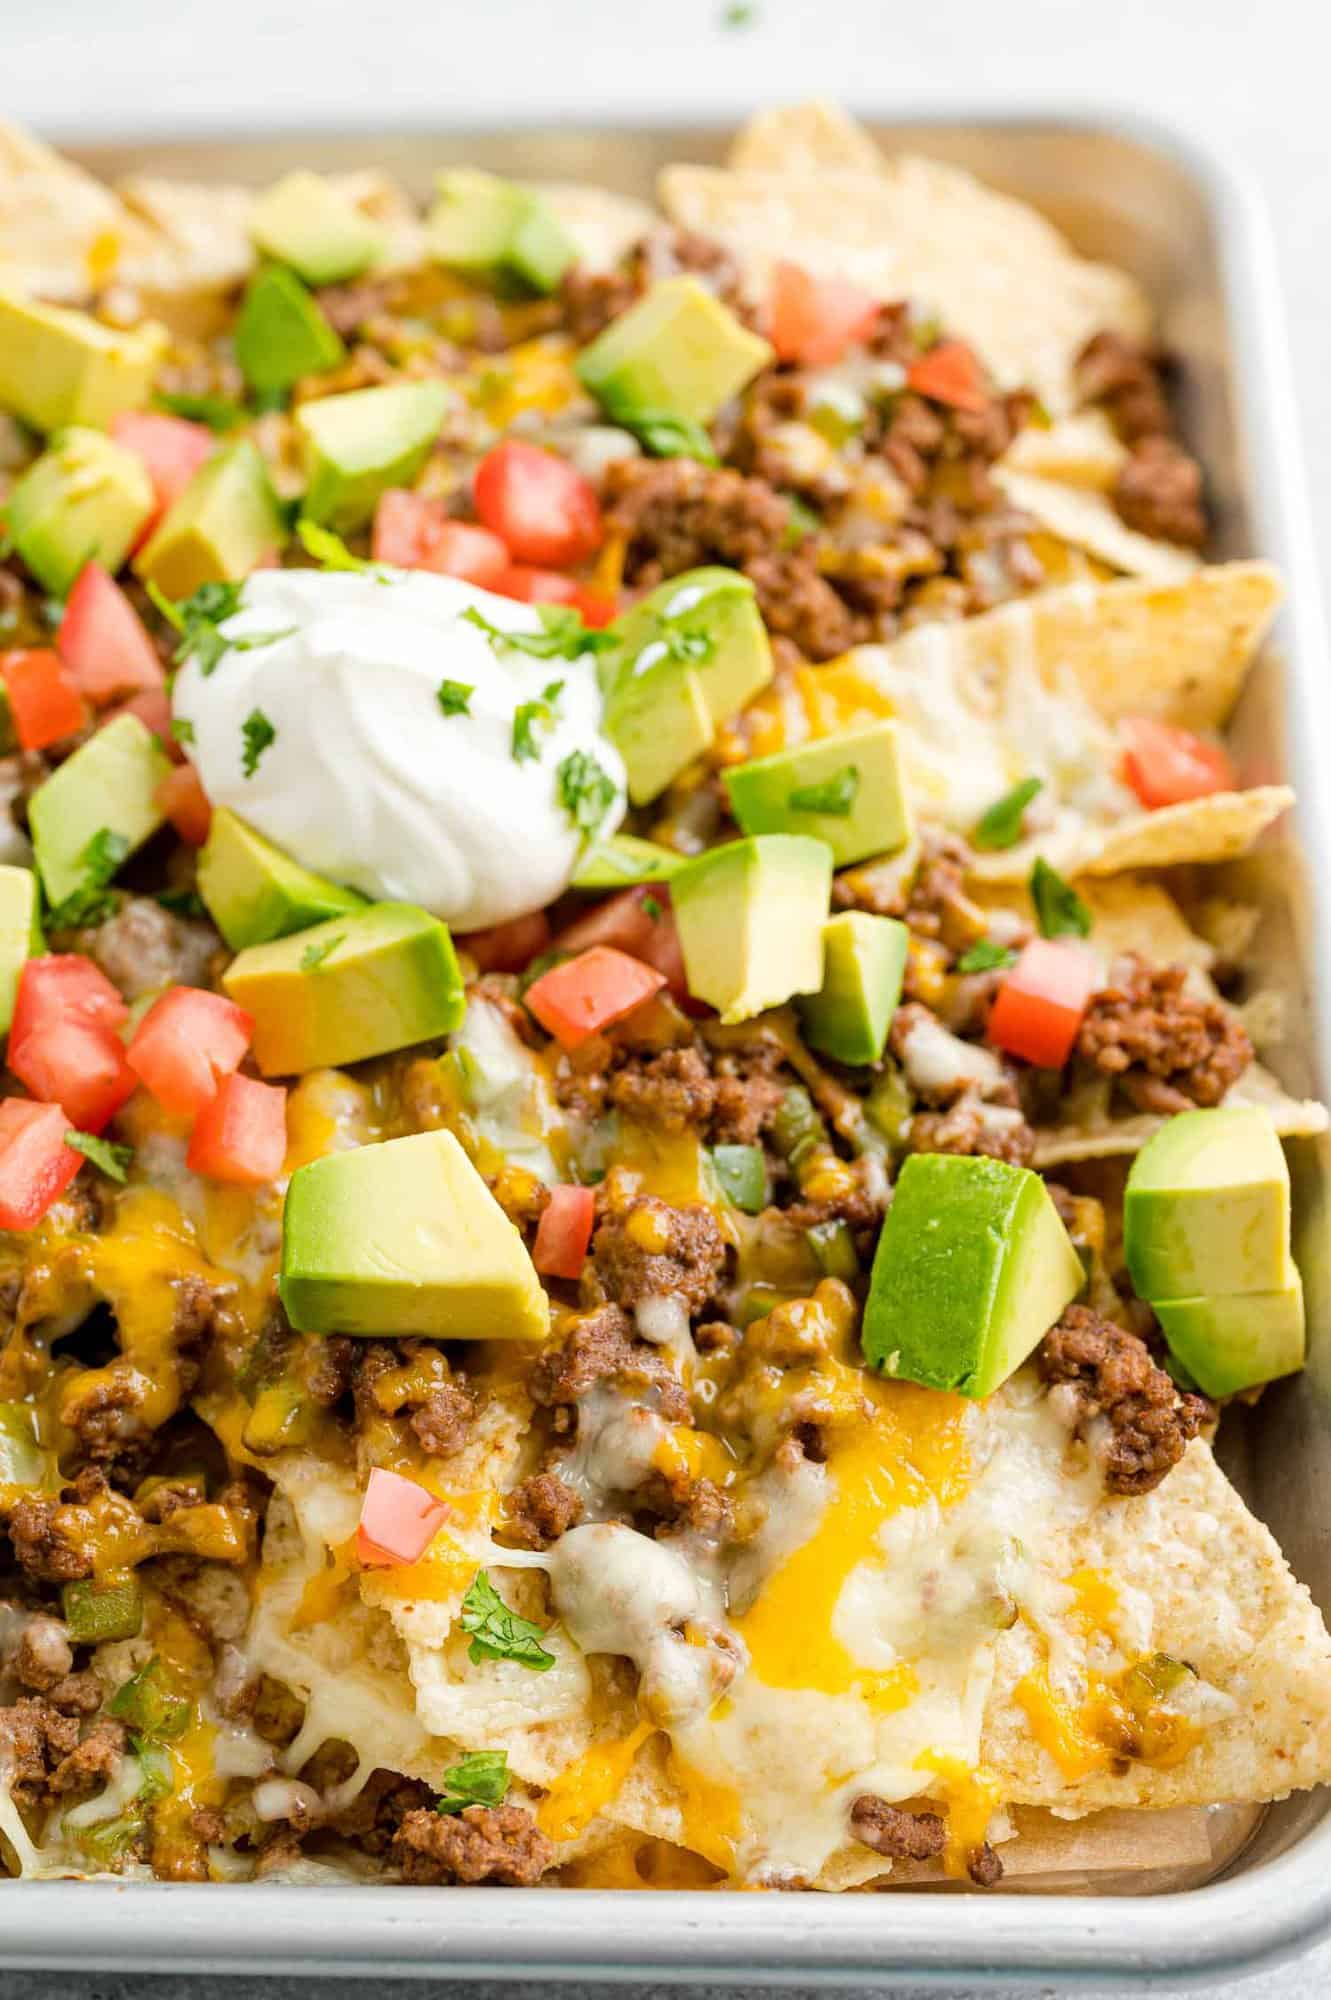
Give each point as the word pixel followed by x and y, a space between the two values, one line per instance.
pixel 80 1068
pixel 1040 1004
pixel 44 698
pixel 36 1166
pixel 1165 765
pixel 104 642
pixel 638 921
pixel 185 1044
pixel 172 448
pixel 551 586
pixel 64 986
pixel 153 708
pixel 587 993
pixel 948 373
pixel 564 1231
pixel 509 947
pixel 182 798
pixel 814 320
pixel 398 1520
pixel 540 506
pixel 241 1136
pixel 415 533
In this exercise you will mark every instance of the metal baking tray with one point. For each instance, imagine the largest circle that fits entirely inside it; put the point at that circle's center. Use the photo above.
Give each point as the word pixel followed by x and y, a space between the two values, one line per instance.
pixel 1180 220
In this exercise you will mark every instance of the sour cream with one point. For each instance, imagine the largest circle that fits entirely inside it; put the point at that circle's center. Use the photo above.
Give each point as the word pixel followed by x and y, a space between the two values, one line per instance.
pixel 365 779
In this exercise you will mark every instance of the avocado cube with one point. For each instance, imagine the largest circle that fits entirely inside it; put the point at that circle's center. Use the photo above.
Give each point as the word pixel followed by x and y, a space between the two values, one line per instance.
pixel 85 500
pixel 364 984
pixel 658 720
pixel 677 353
pixel 847 789
pixel 254 892
pixel 59 367
pixel 304 221
pixel 1236 1340
pixel 405 1238
pixel 1206 1209
pixel 707 619
pixel 224 523
pixel 622 861
pixel 482 225
pixel 358 445
pixel 109 786
pixel 750 917
pixel 864 961
pixel 973 1267
pixel 282 333
pixel 20 933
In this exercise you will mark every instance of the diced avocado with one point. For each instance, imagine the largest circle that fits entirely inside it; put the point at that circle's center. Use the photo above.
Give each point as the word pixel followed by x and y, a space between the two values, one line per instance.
pixel 864 959
pixel 282 333
pixel 359 985
pixel 405 1238
pixel 621 861
pixel 750 917
pixel 658 721
pixel 482 224
pixel 1206 1210
pixel 678 353
pixel 255 892
pixel 356 446
pixel 1234 1341
pixel 973 1267
pixel 59 367
pixel 107 789
pixel 304 221
pixel 20 933
pixel 85 500
pixel 224 523
pixel 704 619
pixel 847 789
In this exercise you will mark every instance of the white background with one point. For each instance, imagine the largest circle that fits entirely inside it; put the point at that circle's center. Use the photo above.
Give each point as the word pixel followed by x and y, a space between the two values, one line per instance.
pixel 1250 76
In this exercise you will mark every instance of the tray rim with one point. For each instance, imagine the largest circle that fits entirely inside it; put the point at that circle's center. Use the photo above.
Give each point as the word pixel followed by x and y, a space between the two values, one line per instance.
pixel 1229 1926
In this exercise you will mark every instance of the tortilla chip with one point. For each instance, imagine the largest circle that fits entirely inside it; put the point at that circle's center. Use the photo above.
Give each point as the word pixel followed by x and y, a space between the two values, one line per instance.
pixel 1220 1596
pixel 804 139
pixel 1089 521
pixel 1097 1135
pixel 1084 450
pixel 386 203
pixel 994 270
pixel 62 234
pixel 602 224
pixel 201 231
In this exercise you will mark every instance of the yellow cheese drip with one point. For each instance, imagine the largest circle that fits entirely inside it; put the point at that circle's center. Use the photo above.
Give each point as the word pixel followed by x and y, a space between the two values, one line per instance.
pixel 589 1784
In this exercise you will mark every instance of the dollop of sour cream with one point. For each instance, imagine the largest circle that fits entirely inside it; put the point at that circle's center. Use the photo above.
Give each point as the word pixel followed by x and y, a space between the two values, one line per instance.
pixel 364 777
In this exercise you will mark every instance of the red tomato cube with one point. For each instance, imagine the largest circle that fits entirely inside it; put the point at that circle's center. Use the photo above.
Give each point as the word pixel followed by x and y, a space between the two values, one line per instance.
pixel 1165 765
pixel 948 373
pixel 814 320
pixel 184 1046
pixel 564 1231
pixel 398 1520
pixel 413 532
pixel 81 1068
pixel 44 698
pixel 509 947
pixel 36 1166
pixel 172 448
pixel 241 1136
pixel 185 803
pixel 104 642
pixel 587 993
pixel 64 986
pixel 1040 1004
pixel 540 506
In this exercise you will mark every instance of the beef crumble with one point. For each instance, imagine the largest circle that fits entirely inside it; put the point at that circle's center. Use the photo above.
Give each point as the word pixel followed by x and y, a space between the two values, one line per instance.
pixel 1165 1047
pixel 1098 1370
pixel 1160 489
pixel 500 1844
pixel 647 1249
pixel 540 1510
pixel 900 1835
pixel 602 1346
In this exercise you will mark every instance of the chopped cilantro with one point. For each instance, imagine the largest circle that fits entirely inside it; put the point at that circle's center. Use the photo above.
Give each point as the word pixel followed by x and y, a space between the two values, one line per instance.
pixel 258 733
pixel 91 901
pixel 1000 826
pixel 1059 910
pixel 686 647
pixel 498 1633
pixel 105 1155
pixel 478 1780
pixel 182 729
pixel 314 955
pixel 331 552
pixel 198 620
pixel 834 796
pixel 662 435
pixel 454 697
pixel 586 790
pixel 182 902
pixel 220 413
pixel 739 14
pixel 527 715
pixel 563 636
pixel 987 956
pixel 652 909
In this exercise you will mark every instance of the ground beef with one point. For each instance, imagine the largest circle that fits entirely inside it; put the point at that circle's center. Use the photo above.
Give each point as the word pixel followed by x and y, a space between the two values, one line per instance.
pixel 647 1249
pixel 93 1762
pixel 1109 1374
pixel 379 1809
pixel 144 947
pixel 480 1844
pixel 1167 1048
pixel 77 1694
pixel 52 1541
pixel 675 514
pixel 348 307
pixel 43 1656
pixel 540 1510
pixel 731 1094
pixel 439 1412
pixel 1129 381
pixel 983 1866
pixel 602 1346
pixel 902 1836
pixel 1159 492
pixel 672 1092
pixel 103 1412
pixel 34 1739
pixel 799 604
pixel 591 299
pixel 937 906
pixel 973 1126
pixel 328 1377
pixel 445 1420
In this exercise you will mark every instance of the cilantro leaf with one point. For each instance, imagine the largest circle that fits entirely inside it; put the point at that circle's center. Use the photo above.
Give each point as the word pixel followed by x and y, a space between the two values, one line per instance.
pixel 105 1155
pixel 739 14
pixel 663 435
pixel 1000 826
pixel 652 909
pixel 586 790
pixel 331 552
pixel 182 729
pixel 834 796
pixel 498 1633
pixel 454 697
pixel 314 955
pixel 92 901
pixel 220 413
pixel 563 636
pixel 197 619
pixel 478 1780
pixel 182 902
pixel 258 732
pixel 527 715
pixel 987 956
pixel 1059 910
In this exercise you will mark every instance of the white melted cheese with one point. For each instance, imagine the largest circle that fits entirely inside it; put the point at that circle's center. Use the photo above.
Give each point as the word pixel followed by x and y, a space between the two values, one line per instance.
pixel 510 1100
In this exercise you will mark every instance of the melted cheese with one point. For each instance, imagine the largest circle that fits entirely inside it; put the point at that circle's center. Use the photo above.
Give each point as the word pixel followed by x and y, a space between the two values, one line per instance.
pixel 589 1785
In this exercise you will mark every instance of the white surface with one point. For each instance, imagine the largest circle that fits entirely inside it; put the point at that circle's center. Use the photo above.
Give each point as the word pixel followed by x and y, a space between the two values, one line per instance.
pixel 1250 79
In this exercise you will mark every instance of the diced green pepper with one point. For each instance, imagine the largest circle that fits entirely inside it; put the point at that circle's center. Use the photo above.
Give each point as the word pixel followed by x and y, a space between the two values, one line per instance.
pixel 888 1106
pixel 797 1128
pixel 22 1461
pixel 742 1173
pixel 97 1611
pixel 159 1777
pixel 150 1705
pixel 283 1416
pixel 109 1840
pixel 834 1247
